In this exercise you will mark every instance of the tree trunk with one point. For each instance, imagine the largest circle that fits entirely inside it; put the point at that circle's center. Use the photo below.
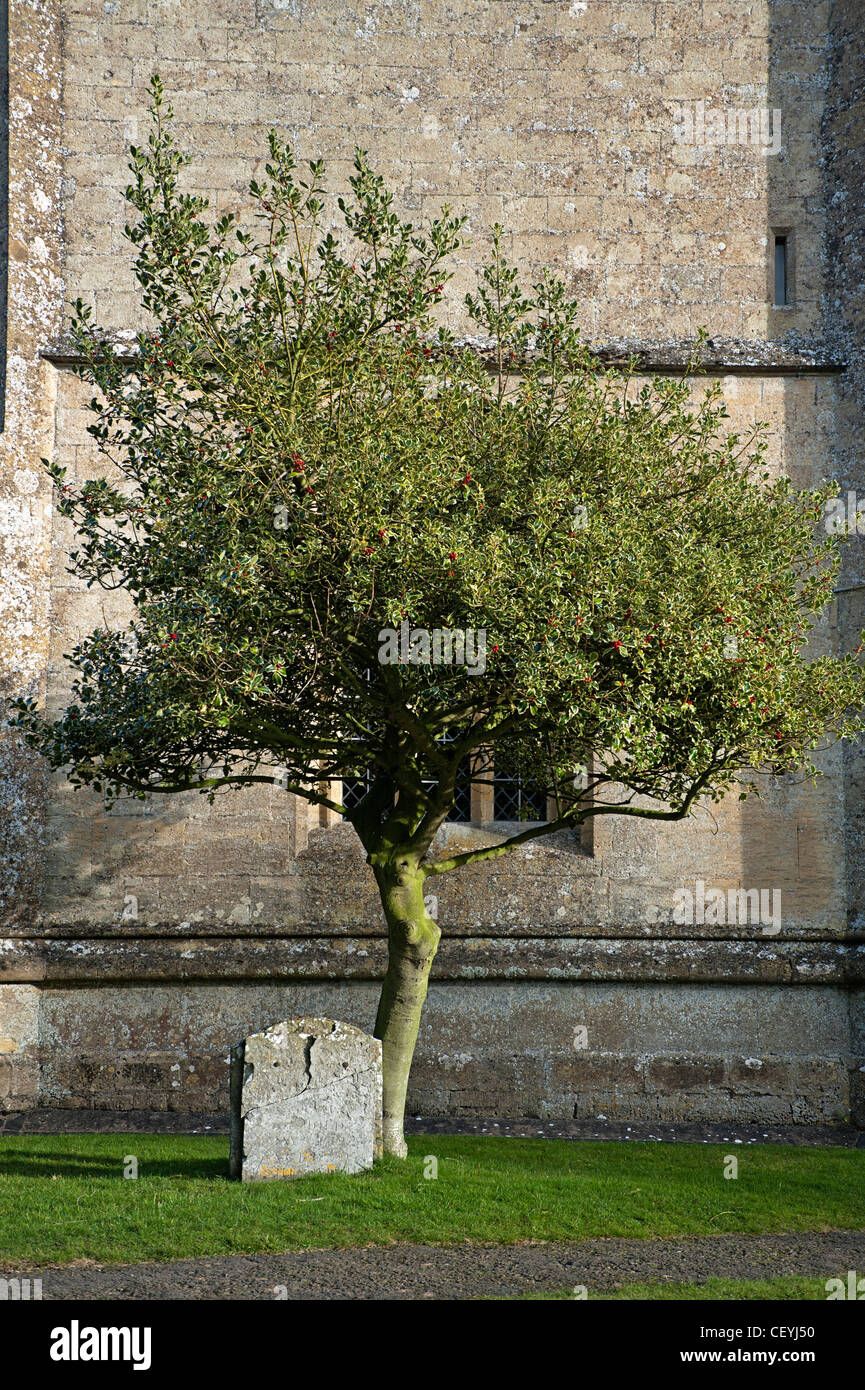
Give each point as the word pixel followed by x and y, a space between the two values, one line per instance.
pixel 413 938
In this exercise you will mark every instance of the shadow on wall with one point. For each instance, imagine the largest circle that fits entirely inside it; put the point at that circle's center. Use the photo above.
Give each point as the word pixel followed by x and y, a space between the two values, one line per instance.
pixel 4 197
pixel 815 204
pixel 813 174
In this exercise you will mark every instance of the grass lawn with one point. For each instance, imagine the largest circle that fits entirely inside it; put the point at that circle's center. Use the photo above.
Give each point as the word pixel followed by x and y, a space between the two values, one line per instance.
pixel 64 1197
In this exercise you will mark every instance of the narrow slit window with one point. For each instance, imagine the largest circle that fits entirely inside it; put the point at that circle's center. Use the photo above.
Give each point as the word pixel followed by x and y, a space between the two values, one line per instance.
pixel 781 272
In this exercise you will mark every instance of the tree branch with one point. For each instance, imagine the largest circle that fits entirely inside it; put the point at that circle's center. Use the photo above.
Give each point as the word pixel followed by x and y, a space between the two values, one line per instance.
pixel 566 822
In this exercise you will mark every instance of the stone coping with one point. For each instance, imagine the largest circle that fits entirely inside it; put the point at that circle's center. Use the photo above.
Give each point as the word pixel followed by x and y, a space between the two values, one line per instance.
pixel 719 356
pixel 86 929
pixel 132 959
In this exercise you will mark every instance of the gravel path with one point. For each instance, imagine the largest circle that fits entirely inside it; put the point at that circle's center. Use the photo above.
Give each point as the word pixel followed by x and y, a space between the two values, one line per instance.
pixel 461 1272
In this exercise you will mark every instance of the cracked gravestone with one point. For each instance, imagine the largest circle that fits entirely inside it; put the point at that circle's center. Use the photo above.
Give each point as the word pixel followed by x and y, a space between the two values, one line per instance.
pixel 305 1098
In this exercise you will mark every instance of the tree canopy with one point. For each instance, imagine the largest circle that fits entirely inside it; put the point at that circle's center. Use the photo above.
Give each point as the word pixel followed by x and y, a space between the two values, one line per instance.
pixel 303 457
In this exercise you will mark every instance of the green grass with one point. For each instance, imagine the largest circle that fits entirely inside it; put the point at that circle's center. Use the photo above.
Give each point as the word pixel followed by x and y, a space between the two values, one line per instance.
pixel 795 1288
pixel 64 1197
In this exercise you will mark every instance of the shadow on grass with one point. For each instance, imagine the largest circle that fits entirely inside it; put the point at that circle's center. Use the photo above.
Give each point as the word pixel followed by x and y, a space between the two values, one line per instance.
pixel 66 1165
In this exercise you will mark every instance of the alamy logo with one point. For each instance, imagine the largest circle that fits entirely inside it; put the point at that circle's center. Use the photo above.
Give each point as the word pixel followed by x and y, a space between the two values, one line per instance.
pixel 737 906
pixel 77 1343
pixel 854 1287
pixel 700 126
pixel 20 1290
pixel 849 519
pixel 441 647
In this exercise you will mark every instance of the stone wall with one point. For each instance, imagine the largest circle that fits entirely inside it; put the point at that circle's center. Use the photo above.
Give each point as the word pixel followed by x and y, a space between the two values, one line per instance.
pixel 142 942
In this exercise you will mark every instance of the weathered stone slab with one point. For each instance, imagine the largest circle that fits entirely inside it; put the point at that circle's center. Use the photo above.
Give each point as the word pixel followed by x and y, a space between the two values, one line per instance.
pixel 305 1098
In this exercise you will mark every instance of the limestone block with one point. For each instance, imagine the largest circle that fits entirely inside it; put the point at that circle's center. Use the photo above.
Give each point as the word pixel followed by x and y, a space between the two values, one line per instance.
pixel 305 1098
pixel 19 1017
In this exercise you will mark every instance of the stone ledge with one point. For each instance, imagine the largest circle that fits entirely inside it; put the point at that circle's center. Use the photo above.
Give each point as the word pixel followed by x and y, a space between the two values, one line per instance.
pixel 86 929
pixel 762 960
pixel 719 356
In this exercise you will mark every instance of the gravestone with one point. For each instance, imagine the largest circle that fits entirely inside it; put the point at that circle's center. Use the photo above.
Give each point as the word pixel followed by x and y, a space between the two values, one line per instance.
pixel 305 1098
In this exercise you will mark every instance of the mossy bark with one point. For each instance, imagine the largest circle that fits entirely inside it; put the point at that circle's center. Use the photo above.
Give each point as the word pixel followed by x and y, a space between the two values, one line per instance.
pixel 413 939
